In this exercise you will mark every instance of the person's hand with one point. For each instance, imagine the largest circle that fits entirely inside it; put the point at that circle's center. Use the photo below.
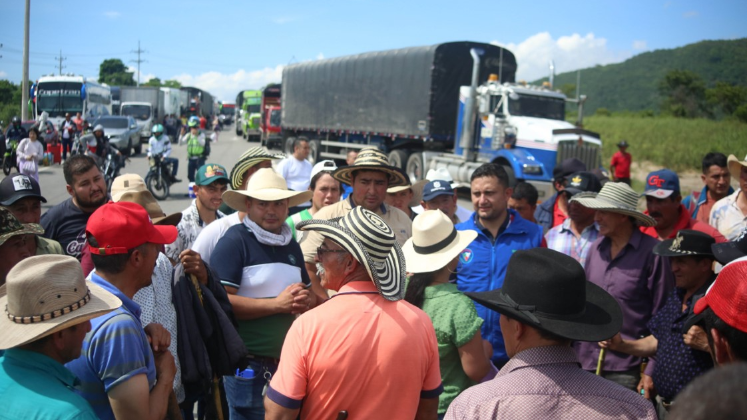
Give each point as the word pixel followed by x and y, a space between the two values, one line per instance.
pixel 29 157
pixel 303 300
pixel 193 264
pixel 613 343
pixel 647 385
pixel 696 338
pixel 294 299
pixel 165 366
pixel 158 337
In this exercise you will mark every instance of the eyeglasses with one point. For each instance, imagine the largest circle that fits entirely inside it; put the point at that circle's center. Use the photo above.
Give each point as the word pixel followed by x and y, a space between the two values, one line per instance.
pixel 320 251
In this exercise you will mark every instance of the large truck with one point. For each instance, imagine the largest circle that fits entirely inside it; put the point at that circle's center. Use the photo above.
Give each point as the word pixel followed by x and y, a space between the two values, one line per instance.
pixel 226 114
pixel 268 124
pixel 201 103
pixel 175 101
pixel 453 105
pixel 146 105
pixel 247 124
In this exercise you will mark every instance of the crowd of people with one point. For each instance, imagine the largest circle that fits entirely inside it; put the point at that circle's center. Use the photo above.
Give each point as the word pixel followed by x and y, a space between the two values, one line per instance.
pixel 326 291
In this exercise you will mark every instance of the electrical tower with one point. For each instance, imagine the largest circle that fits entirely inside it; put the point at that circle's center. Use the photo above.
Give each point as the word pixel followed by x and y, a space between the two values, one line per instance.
pixel 60 59
pixel 139 60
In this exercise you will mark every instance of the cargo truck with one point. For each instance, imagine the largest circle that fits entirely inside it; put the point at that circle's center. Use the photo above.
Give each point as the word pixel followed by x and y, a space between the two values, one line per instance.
pixel 146 105
pixel 175 101
pixel 453 105
pixel 201 103
pixel 248 122
pixel 269 126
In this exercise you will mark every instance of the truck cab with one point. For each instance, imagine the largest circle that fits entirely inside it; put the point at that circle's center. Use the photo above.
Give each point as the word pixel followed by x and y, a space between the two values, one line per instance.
pixel 271 130
pixel 143 114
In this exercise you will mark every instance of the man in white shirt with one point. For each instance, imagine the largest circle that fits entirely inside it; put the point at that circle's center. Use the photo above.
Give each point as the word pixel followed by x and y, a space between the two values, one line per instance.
pixel 296 170
pixel 160 144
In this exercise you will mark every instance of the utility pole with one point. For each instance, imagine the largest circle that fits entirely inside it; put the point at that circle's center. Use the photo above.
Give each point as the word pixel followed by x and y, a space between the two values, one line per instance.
pixel 60 59
pixel 25 83
pixel 139 60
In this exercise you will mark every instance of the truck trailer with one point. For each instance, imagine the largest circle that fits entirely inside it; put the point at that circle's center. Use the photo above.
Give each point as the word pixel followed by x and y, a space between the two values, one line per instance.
pixel 146 105
pixel 453 105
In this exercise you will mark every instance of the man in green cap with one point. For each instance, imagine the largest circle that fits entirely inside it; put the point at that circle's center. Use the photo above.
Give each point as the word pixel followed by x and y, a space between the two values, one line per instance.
pixel 211 181
pixel 13 247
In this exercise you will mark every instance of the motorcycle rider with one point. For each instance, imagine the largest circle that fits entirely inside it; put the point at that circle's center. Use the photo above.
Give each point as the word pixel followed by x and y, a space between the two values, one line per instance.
pixel 98 147
pixel 195 140
pixel 160 144
pixel 15 133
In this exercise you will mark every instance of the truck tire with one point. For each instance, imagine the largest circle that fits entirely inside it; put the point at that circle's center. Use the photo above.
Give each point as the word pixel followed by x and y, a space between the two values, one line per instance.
pixel 288 147
pixel 314 148
pixel 138 147
pixel 398 158
pixel 415 169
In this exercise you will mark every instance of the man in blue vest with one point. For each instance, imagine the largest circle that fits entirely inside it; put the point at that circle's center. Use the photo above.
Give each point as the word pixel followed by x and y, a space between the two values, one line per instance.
pixel 500 232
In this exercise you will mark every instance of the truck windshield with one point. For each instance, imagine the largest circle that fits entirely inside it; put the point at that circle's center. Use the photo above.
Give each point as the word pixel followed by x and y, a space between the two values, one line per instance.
pixel 138 112
pixel 537 106
pixel 227 111
pixel 275 117
pixel 253 109
pixel 57 98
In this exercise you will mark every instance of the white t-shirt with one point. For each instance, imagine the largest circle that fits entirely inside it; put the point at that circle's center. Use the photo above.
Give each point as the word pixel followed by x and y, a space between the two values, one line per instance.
pixel 297 173
pixel 211 234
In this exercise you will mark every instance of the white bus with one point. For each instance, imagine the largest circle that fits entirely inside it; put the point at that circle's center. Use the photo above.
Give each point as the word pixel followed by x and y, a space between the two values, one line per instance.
pixel 58 95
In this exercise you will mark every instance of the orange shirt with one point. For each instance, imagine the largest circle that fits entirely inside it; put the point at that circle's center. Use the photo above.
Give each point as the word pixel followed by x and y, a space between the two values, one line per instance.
pixel 361 353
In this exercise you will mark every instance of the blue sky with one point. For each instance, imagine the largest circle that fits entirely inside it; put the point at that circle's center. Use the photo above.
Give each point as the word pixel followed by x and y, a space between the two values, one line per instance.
pixel 226 46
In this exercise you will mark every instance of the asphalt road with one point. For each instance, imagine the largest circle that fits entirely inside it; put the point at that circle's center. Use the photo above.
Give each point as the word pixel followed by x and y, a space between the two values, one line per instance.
pixel 225 152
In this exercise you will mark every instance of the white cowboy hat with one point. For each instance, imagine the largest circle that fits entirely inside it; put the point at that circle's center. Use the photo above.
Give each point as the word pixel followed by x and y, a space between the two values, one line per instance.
pixel 615 197
pixel 371 159
pixel 372 243
pixel 435 242
pixel 46 294
pixel 735 165
pixel 265 185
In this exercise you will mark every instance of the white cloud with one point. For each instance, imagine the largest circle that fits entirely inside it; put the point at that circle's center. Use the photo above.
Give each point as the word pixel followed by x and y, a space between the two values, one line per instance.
pixel 320 56
pixel 569 53
pixel 3 74
pixel 640 45
pixel 112 14
pixel 282 20
pixel 224 87
pixel 690 14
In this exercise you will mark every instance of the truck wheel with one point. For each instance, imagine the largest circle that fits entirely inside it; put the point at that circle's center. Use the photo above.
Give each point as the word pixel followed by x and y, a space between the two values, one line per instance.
pixel 398 158
pixel 314 147
pixel 128 150
pixel 138 147
pixel 288 149
pixel 415 168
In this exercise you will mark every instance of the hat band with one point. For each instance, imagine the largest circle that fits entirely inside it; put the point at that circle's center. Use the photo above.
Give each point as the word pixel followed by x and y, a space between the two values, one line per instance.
pixel 50 315
pixel 430 249
pixel 109 250
pixel 530 311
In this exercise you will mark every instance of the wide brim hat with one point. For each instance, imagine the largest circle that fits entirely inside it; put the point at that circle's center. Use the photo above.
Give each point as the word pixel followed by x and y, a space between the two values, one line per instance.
pixel 686 243
pixel 48 293
pixel 622 143
pixel 265 185
pixel 249 159
pixel 434 243
pixel 371 242
pixel 150 204
pixel 735 165
pixel 370 159
pixel 727 252
pixel 127 183
pixel 548 290
pixel 616 197
pixel 417 192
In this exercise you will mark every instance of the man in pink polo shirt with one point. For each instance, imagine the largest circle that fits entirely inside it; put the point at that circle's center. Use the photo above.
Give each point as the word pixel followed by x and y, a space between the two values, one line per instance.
pixel 365 351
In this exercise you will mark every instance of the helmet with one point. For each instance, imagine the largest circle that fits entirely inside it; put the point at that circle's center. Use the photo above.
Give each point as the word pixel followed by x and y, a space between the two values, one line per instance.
pixel 158 128
pixel 194 121
pixel 98 127
pixel 15 120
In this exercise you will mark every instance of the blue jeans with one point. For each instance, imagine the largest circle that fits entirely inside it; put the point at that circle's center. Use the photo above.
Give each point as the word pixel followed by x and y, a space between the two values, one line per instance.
pixel 174 162
pixel 193 166
pixel 245 399
pixel 67 144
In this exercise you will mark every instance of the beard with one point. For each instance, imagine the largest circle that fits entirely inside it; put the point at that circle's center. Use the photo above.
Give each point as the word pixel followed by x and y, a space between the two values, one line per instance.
pixel 91 203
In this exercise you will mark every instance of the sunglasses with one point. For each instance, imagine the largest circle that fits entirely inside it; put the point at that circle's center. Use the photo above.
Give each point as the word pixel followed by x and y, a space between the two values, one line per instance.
pixel 320 251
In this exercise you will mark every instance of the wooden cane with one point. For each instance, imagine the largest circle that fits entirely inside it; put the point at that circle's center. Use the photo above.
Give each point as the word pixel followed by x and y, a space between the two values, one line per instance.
pixel 600 361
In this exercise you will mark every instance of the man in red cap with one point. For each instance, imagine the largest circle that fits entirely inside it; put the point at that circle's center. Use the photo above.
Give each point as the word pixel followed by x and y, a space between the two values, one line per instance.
pixel 122 375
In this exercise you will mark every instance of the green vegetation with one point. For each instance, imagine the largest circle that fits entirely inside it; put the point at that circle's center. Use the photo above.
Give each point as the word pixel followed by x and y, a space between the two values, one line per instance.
pixel 156 82
pixel 10 101
pixel 113 72
pixel 675 143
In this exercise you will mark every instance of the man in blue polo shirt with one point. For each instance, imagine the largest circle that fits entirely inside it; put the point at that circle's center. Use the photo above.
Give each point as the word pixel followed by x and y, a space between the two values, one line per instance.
pixel 121 374
pixel 500 233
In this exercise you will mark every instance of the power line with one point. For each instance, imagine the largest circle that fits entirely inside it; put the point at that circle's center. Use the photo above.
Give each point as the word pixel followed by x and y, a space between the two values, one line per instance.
pixel 60 58
pixel 139 60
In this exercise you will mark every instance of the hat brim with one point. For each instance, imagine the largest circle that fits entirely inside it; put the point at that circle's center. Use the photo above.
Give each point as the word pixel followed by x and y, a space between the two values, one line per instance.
pixel 170 220
pixel 238 171
pixel 388 276
pixel 597 204
pixel 663 248
pixel 162 235
pixel 727 252
pixel 601 319
pixel 16 197
pixel 659 193
pixel 236 199
pixel 427 263
pixel 735 166
pixel 15 335
pixel 28 228
pixel 397 177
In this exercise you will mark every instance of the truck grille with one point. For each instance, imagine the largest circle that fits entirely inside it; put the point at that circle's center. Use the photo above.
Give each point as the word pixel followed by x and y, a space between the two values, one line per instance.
pixel 588 153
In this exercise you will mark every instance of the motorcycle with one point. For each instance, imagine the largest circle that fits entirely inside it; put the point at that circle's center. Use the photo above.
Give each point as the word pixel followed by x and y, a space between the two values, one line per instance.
pixel 9 158
pixel 111 167
pixel 159 178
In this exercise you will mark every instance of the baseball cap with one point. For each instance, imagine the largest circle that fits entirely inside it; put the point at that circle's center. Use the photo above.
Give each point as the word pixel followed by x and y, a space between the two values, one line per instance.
pixel 433 189
pixel 727 296
pixel 582 182
pixel 16 187
pixel 209 173
pixel 662 183
pixel 119 227
pixel 567 167
pixel 325 165
pixel 729 251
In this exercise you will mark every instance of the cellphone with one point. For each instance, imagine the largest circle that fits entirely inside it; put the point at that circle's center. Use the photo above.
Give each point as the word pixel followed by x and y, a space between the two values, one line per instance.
pixel 306 286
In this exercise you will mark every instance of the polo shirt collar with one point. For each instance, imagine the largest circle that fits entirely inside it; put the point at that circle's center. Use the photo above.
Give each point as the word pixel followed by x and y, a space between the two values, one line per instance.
pixel 537 356
pixel 42 363
pixel 382 208
pixel 128 303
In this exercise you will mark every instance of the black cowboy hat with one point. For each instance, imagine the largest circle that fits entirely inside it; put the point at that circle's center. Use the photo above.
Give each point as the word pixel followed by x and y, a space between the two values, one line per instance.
pixel 687 242
pixel 547 290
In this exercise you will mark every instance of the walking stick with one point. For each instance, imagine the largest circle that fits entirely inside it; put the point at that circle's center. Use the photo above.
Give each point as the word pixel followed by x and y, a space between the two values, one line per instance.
pixel 600 361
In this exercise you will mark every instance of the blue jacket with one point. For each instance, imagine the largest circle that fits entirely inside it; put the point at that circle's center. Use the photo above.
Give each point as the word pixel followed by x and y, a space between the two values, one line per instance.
pixel 693 201
pixel 482 267
pixel 543 213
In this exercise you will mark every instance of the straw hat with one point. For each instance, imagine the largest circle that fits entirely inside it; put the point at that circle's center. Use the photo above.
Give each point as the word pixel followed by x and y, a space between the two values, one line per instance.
pixel 46 294
pixel 125 183
pixel 265 185
pixel 372 243
pixel 149 203
pixel 417 192
pixel 434 242
pixel 247 160
pixel 735 165
pixel 372 159
pixel 616 197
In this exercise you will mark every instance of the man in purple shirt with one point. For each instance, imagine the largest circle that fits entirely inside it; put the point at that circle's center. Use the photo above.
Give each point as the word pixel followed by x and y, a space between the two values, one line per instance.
pixel 545 303
pixel 622 262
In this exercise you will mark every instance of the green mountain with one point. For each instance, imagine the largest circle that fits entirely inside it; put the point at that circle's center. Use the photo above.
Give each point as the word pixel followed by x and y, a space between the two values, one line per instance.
pixel 633 84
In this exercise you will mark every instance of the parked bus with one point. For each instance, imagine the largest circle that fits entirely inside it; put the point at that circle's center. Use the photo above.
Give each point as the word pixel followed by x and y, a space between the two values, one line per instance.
pixel 58 95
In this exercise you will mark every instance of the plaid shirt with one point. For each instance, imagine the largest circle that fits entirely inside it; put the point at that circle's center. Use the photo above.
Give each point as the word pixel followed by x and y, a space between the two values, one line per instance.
pixel 562 239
